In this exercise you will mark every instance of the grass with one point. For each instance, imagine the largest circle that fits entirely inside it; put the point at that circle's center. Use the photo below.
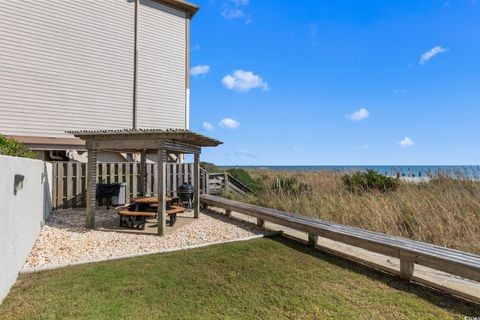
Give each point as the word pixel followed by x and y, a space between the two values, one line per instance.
pixel 445 211
pixel 259 279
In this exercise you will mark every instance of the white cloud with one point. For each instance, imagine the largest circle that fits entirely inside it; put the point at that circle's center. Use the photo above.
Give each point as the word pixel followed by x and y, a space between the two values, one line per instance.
pixel 431 53
pixel 364 147
pixel 241 2
pixel 229 123
pixel 244 81
pixel 233 10
pixel 207 126
pixel 398 91
pixel 359 115
pixel 199 70
pixel 243 153
pixel 406 142
pixel 230 14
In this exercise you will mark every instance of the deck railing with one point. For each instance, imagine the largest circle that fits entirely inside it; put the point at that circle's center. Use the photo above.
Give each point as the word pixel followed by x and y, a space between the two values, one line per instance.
pixel 409 252
pixel 70 185
pixel 225 181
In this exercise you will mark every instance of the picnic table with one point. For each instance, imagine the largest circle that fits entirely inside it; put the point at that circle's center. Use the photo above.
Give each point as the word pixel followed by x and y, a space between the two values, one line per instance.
pixel 149 200
pixel 135 215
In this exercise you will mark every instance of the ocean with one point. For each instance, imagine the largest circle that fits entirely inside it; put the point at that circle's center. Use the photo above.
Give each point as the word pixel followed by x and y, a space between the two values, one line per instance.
pixel 470 171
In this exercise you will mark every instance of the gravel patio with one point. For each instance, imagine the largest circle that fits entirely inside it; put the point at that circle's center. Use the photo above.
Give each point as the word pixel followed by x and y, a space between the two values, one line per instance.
pixel 65 240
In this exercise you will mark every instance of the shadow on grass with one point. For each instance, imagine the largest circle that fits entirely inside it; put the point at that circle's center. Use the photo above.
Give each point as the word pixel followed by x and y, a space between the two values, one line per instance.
pixel 433 296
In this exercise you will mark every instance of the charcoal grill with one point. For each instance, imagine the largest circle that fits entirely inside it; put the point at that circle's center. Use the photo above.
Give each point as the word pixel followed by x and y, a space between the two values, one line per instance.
pixel 185 193
pixel 107 191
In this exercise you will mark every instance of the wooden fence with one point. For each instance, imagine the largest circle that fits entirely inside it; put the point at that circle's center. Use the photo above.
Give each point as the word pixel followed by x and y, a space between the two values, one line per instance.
pixel 70 185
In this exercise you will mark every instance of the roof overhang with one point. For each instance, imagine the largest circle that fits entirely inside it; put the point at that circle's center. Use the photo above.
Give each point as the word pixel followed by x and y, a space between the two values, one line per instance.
pixel 190 8
pixel 50 143
pixel 151 140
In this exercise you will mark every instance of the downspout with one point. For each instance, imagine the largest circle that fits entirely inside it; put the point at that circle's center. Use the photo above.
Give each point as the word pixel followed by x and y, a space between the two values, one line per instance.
pixel 188 17
pixel 135 65
pixel 54 157
pixel 187 71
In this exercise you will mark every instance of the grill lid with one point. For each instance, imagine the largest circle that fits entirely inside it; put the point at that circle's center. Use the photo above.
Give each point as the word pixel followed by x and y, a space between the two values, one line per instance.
pixel 185 188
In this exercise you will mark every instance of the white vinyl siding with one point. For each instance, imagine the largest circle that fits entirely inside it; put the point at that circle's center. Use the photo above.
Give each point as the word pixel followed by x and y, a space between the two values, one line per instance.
pixel 65 65
pixel 161 66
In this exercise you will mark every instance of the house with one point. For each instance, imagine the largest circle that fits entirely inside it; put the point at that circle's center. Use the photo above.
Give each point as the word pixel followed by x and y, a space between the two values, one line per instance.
pixel 86 64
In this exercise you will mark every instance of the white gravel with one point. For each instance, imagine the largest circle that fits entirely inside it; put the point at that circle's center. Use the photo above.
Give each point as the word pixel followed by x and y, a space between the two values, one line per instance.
pixel 65 240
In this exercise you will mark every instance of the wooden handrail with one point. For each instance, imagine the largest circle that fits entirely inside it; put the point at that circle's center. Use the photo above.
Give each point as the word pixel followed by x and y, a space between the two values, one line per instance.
pixel 231 183
pixel 409 252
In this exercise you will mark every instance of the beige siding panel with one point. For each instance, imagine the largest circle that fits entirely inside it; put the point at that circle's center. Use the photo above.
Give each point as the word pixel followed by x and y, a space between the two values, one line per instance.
pixel 161 63
pixel 65 65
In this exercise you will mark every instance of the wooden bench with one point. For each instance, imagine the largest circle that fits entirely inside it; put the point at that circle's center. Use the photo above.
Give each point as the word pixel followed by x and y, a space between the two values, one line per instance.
pixel 137 219
pixel 410 252
pixel 172 213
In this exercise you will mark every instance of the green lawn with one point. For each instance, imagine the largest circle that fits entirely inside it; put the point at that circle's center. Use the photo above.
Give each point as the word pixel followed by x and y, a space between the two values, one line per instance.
pixel 261 279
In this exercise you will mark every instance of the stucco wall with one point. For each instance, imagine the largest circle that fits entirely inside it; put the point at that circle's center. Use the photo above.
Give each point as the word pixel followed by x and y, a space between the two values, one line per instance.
pixel 21 215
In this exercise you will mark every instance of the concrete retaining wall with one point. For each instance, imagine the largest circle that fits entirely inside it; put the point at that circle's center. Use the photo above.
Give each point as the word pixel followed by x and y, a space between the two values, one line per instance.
pixel 22 214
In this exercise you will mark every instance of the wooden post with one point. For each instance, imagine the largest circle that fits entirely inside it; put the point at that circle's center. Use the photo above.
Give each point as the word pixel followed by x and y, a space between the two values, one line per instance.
pixel 312 239
pixel 174 179
pixel 206 177
pixel 60 171
pixel 196 185
pixel 407 265
pixel 260 223
pixel 54 185
pixel 161 213
pixel 78 185
pixel 143 173
pixel 134 180
pixel 69 200
pixel 91 188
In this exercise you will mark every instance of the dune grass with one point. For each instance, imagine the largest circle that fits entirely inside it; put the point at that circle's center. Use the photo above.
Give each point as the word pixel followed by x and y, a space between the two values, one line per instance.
pixel 444 211
pixel 260 279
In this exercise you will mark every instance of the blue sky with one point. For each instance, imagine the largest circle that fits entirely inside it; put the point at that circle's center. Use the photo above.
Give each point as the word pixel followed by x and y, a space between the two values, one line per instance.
pixel 337 82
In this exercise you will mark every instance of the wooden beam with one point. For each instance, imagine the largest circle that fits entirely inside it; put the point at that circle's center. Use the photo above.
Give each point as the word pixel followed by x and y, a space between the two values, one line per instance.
pixel 180 147
pixel 122 145
pixel 162 155
pixel 125 144
pixel 143 172
pixel 196 184
pixel 91 189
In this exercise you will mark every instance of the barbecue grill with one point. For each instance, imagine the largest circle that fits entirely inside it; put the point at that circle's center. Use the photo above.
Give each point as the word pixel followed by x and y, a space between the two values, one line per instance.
pixel 107 191
pixel 185 192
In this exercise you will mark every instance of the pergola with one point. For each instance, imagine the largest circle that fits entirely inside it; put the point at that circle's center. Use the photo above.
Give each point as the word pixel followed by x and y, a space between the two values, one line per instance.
pixel 144 141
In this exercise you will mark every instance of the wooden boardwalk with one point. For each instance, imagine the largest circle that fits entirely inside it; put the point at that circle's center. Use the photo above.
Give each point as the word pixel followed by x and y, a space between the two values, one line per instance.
pixel 450 270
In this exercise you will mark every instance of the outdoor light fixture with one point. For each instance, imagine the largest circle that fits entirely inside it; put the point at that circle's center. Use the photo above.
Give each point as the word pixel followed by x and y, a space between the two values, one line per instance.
pixel 18 183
